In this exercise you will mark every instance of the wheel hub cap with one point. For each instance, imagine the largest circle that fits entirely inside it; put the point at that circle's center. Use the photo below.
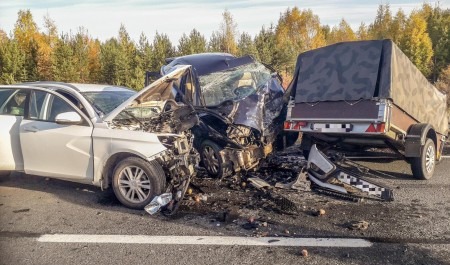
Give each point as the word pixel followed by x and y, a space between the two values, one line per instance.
pixel 134 184
pixel 429 159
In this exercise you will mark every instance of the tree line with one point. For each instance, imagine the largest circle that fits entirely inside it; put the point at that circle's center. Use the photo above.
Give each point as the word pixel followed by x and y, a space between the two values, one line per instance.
pixel 30 53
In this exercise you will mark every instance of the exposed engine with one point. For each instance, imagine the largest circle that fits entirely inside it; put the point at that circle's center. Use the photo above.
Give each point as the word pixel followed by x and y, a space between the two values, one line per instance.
pixel 242 135
pixel 173 128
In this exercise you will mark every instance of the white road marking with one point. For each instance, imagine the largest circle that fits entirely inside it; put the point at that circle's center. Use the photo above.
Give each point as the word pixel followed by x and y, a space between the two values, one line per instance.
pixel 207 240
pixel 445 156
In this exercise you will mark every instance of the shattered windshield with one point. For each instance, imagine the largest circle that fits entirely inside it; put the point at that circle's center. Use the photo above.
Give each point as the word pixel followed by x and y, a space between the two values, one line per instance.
pixel 233 84
pixel 106 101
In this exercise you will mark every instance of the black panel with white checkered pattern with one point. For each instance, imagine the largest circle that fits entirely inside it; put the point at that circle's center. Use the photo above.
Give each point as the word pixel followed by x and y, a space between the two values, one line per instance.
pixel 361 184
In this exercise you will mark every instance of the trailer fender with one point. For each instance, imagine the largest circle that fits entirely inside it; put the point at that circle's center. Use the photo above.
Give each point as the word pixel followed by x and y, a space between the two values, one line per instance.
pixel 416 137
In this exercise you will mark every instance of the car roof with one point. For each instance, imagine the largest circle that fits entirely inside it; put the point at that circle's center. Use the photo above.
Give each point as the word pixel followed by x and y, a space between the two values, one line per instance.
pixel 202 62
pixel 77 86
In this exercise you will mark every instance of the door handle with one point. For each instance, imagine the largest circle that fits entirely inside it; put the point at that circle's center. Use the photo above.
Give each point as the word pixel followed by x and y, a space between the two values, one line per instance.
pixel 31 129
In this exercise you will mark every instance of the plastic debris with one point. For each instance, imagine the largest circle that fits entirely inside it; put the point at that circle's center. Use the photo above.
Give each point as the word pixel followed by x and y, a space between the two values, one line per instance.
pixel 258 183
pixel 305 253
pixel 158 202
pixel 358 225
pixel 320 212
pixel 300 183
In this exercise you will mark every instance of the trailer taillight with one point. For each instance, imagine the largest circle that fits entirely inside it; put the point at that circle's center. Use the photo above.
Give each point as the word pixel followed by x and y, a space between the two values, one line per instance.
pixel 378 127
pixel 287 125
pixel 294 125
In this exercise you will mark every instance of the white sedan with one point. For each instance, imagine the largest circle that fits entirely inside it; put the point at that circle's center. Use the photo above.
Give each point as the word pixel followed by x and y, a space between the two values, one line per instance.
pixel 138 143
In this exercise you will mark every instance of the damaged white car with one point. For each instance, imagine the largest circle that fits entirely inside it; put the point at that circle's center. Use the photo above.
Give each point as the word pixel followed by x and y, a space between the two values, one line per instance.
pixel 139 144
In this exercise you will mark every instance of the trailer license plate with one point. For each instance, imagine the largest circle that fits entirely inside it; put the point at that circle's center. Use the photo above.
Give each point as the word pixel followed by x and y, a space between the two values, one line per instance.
pixel 332 127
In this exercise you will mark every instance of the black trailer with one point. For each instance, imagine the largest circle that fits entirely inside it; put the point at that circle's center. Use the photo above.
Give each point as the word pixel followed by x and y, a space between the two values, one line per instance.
pixel 364 94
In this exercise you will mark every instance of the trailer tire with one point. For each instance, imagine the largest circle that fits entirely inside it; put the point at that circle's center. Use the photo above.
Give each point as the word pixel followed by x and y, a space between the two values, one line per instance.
pixel 423 167
pixel 306 144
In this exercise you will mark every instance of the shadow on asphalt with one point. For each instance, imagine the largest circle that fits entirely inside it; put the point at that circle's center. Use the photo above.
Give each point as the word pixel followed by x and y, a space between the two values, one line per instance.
pixel 82 194
pixel 396 251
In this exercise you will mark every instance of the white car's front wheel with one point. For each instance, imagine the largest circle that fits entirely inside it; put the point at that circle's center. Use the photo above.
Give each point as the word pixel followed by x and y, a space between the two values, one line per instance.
pixel 136 181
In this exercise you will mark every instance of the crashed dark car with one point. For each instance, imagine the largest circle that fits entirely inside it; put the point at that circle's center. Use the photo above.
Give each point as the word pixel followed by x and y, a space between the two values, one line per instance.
pixel 241 105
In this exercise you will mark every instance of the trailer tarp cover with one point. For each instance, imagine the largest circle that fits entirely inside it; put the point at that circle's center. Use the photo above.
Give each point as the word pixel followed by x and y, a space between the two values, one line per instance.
pixel 362 70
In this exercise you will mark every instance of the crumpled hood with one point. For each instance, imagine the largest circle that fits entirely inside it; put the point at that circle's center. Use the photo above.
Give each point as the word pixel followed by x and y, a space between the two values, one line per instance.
pixel 160 90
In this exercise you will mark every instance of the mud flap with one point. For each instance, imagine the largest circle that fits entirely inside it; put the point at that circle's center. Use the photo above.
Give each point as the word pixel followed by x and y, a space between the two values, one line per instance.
pixel 332 178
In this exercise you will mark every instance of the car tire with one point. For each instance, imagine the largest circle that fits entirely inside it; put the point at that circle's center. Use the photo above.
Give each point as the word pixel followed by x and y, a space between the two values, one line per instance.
pixel 306 143
pixel 136 181
pixel 423 167
pixel 211 158
pixel 305 153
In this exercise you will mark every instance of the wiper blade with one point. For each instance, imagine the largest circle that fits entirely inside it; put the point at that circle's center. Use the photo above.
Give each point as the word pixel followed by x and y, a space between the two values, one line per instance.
pixel 134 118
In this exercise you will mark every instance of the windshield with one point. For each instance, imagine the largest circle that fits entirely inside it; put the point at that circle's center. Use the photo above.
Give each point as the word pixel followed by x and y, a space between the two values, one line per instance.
pixel 106 101
pixel 234 83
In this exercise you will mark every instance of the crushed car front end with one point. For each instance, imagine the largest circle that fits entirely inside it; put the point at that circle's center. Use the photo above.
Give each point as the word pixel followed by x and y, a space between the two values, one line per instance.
pixel 154 110
pixel 241 106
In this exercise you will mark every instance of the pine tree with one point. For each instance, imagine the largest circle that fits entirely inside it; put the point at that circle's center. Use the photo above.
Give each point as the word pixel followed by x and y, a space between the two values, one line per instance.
pixel 12 62
pixel 398 26
pixel 80 57
pixel 109 61
pixel 145 52
pixel 63 65
pixel 381 27
pixel 215 42
pixel 438 28
pixel 246 46
pixel 265 45
pixel 194 43
pixel 125 57
pixel 162 49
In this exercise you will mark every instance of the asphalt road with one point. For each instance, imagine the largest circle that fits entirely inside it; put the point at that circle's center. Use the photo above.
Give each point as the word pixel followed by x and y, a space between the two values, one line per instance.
pixel 414 229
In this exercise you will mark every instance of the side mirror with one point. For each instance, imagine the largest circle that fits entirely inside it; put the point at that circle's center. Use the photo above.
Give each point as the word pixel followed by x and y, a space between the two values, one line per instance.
pixel 68 118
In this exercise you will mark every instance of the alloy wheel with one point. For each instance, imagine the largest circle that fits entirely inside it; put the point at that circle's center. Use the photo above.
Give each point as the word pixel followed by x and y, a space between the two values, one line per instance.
pixel 134 184
pixel 210 160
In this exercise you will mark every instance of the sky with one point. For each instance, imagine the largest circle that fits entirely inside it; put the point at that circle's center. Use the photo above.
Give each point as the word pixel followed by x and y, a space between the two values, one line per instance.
pixel 102 18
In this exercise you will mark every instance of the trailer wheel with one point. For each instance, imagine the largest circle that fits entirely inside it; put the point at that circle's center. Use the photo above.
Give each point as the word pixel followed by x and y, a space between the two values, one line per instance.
pixel 306 144
pixel 423 167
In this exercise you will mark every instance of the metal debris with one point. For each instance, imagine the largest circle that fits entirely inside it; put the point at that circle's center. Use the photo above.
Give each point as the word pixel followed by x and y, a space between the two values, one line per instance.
pixel 158 202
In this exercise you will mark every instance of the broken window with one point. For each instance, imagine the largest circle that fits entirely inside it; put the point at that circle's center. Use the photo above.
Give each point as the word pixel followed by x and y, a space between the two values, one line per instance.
pixel 106 101
pixel 233 84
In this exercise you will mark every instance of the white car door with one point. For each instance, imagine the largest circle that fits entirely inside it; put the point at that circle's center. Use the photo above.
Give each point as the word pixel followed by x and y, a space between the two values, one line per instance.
pixel 52 149
pixel 10 119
